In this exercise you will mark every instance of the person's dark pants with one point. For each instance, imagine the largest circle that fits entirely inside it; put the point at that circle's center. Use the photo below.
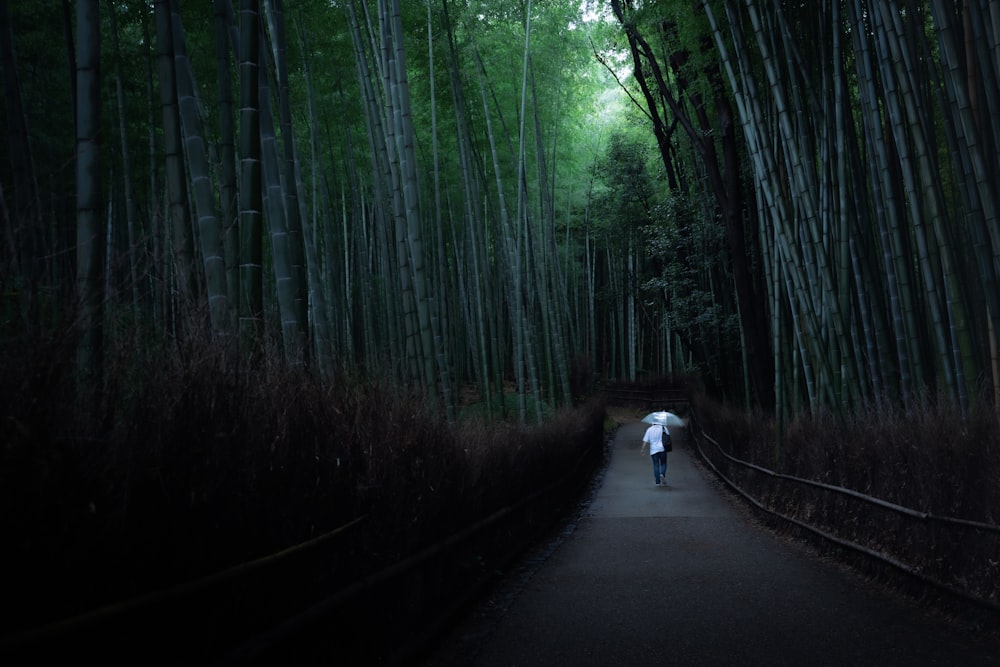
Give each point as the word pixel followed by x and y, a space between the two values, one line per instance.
pixel 659 465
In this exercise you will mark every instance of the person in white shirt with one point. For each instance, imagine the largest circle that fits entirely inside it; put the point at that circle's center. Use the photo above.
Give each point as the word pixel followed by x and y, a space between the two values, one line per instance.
pixel 657 436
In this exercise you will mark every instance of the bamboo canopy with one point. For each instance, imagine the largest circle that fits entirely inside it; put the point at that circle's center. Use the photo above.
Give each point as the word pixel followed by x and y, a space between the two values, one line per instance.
pixel 794 202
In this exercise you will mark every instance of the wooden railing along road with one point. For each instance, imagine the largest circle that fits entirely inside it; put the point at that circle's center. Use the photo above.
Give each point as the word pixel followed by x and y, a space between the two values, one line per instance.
pixel 282 605
pixel 283 609
pixel 664 399
pixel 950 540
pixel 946 554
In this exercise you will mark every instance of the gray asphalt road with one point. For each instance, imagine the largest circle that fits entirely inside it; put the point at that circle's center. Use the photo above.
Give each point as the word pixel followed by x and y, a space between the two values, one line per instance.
pixel 678 575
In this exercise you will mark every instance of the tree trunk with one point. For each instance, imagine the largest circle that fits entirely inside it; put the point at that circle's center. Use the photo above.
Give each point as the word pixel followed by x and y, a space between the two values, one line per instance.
pixel 202 188
pixel 127 175
pixel 177 202
pixel 90 251
pixel 292 176
pixel 251 298
pixel 229 194
pixel 25 237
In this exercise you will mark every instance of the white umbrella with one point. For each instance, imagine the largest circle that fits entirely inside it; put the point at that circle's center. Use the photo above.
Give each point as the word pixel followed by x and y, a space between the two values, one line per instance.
pixel 664 418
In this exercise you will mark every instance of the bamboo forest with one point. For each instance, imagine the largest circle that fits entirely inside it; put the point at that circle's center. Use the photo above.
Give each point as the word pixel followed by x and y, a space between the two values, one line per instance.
pixel 794 201
pixel 276 270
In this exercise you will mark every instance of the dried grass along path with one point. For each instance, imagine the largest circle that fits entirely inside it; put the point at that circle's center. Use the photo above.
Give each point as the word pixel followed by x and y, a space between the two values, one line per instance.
pixel 682 576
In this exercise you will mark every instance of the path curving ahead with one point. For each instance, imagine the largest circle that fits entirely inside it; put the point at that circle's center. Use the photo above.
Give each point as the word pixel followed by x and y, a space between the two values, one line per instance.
pixel 680 576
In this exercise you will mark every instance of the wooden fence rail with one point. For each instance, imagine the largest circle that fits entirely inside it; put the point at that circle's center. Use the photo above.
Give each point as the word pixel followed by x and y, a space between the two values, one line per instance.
pixel 283 609
pixel 902 562
pixel 645 399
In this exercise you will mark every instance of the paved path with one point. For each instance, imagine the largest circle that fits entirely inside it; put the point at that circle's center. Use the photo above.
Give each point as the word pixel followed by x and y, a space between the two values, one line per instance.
pixel 680 576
